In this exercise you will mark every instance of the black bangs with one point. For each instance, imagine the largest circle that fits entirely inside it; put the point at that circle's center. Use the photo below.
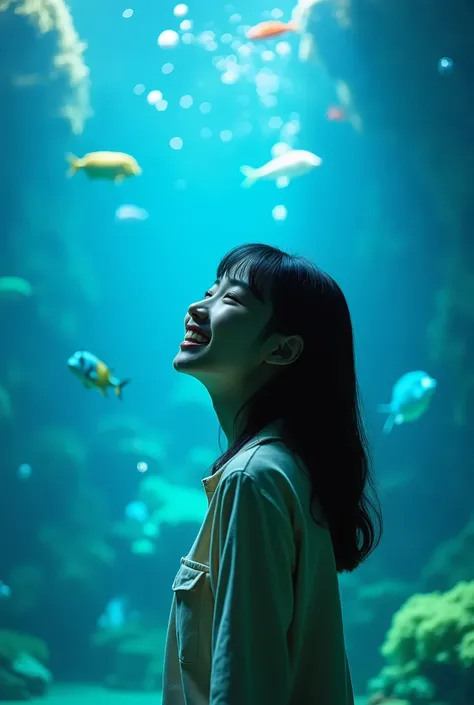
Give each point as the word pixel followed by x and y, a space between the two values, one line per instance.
pixel 258 265
pixel 290 282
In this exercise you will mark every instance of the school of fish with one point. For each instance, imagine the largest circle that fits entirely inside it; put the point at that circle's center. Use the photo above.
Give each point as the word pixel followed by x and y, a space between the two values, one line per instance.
pixel 118 166
pixel 412 393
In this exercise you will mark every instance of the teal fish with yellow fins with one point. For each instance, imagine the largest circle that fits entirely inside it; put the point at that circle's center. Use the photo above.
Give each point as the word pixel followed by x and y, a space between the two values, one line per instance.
pixel 113 166
pixel 93 372
pixel 411 397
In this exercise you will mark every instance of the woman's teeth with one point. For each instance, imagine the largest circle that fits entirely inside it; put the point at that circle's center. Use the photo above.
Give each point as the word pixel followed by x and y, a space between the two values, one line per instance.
pixel 192 335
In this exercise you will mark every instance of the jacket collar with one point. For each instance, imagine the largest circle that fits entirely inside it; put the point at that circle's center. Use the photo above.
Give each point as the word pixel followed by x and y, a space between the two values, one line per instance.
pixel 269 432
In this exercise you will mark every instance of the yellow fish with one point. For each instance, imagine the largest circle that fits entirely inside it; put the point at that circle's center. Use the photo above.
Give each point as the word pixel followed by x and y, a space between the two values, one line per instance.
pixel 115 166
pixel 93 372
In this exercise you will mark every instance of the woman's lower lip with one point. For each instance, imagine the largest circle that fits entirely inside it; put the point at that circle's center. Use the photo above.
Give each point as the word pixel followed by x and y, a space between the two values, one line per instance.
pixel 191 344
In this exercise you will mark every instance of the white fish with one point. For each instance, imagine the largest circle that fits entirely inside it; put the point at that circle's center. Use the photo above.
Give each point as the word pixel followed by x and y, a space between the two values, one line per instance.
pixel 302 15
pixel 411 397
pixel 128 211
pixel 295 162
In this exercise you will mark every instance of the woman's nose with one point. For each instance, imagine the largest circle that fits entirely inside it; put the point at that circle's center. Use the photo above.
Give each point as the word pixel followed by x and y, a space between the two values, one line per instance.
pixel 198 312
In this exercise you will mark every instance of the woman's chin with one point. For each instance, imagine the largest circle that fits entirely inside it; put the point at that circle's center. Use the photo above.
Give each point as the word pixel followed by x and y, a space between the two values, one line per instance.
pixel 185 361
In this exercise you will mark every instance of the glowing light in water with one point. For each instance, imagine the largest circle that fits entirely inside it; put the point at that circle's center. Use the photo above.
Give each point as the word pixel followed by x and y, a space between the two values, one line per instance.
pixel 445 64
pixel 275 122
pixel 267 55
pixel 230 77
pixel 279 213
pixel 176 143
pixel 154 97
pixel 127 13
pixel 283 49
pixel 180 10
pixel 130 212
pixel 168 39
pixel 279 148
pixel 24 471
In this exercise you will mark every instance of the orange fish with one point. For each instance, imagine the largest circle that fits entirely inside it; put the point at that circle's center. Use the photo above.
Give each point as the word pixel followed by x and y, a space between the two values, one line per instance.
pixel 271 28
pixel 336 114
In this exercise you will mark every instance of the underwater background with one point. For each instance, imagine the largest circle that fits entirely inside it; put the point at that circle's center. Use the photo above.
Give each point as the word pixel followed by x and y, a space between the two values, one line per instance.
pixel 100 496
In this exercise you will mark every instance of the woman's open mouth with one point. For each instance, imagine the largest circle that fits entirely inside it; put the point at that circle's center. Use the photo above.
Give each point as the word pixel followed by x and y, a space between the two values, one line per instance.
pixel 193 339
pixel 193 344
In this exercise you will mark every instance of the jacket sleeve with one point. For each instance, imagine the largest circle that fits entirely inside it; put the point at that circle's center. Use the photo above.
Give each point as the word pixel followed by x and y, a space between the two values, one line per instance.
pixel 251 571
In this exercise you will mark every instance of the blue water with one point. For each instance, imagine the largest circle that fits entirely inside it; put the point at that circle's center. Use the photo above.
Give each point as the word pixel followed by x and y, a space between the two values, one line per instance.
pixel 76 468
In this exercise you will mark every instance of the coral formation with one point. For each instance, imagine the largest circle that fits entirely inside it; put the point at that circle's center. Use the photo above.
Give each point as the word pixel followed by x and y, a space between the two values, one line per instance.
pixel 54 15
pixel 22 666
pixel 135 656
pixel 77 550
pixel 165 503
pixel 26 583
pixel 451 561
pixel 381 699
pixel 429 647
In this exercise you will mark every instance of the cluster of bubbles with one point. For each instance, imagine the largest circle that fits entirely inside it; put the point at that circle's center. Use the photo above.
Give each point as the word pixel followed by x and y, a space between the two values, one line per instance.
pixel 236 60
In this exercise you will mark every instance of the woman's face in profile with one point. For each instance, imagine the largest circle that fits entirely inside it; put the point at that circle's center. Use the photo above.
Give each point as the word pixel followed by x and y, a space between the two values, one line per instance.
pixel 231 319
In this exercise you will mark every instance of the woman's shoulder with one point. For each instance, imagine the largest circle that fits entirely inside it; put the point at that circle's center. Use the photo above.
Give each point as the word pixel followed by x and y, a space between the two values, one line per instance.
pixel 271 465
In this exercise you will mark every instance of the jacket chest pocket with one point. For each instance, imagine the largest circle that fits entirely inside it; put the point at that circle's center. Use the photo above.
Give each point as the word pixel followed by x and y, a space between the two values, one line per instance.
pixel 189 587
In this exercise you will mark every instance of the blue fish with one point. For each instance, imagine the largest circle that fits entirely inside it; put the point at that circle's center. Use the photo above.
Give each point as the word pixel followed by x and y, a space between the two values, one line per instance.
pixel 93 372
pixel 411 397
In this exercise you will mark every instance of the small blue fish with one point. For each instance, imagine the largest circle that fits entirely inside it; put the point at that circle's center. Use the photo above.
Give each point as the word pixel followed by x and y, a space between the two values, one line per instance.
pixel 92 372
pixel 411 397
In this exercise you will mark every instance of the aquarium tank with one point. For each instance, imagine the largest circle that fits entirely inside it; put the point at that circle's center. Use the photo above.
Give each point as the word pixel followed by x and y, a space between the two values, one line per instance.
pixel 140 141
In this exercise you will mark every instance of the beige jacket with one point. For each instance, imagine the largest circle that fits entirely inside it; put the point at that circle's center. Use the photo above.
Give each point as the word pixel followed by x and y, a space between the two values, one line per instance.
pixel 256 614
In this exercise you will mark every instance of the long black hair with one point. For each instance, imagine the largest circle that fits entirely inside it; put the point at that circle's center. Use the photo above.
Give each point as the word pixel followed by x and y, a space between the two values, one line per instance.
pixel 316 397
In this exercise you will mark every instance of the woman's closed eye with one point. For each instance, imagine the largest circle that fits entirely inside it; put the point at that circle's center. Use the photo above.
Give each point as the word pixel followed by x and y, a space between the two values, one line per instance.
pixel 230 295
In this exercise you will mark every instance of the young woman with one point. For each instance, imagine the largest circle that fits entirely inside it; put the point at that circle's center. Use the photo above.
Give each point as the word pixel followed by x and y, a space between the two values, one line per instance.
pixel 256 614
